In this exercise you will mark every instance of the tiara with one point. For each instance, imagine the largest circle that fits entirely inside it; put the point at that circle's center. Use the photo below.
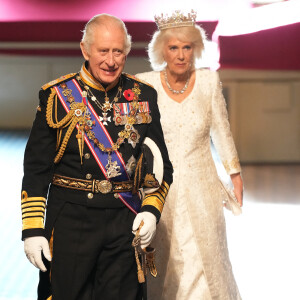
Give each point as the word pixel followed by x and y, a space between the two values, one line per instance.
pixel 178 19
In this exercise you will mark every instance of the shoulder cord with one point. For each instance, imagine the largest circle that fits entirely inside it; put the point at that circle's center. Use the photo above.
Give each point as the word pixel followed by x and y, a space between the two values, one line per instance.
pixel 65 141
pixel 70 120
pixel 49 118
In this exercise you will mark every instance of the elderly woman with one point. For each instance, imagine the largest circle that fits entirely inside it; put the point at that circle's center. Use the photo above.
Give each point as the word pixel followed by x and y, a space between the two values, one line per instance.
pixel 192 258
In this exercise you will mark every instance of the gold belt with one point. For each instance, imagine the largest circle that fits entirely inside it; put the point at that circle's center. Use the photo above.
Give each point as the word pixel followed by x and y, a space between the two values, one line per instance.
pixel 94 186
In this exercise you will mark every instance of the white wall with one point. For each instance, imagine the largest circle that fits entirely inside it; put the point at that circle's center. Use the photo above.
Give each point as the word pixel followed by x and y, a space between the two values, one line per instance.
pixel 264 109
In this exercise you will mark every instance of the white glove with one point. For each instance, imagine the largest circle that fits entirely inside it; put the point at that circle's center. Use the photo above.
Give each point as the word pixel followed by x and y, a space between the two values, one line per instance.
pixel 147 232
pixel 33 246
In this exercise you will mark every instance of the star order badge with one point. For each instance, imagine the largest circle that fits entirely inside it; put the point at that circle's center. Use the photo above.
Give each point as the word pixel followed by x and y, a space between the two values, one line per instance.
pixel 134 137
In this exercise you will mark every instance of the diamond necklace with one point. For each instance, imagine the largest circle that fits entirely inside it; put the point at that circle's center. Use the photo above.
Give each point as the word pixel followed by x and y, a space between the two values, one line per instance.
pixel 175 91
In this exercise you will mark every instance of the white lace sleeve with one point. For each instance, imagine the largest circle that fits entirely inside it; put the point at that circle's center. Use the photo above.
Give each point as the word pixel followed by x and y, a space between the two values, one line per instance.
pixel 220 131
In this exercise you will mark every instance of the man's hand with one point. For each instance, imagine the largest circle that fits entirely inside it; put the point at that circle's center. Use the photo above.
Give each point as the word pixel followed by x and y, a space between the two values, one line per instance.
pixel 33 247
pixel 147 232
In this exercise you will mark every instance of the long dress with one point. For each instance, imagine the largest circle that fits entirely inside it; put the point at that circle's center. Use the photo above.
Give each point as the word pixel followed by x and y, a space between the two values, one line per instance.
pixel 192 255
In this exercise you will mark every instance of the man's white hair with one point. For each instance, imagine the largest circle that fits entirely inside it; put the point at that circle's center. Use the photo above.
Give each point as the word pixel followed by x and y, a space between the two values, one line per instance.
pixel 104 19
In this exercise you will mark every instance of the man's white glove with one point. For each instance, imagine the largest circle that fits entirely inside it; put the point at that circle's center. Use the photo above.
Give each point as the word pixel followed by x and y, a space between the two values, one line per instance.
pixel 147 232
pixel 33 247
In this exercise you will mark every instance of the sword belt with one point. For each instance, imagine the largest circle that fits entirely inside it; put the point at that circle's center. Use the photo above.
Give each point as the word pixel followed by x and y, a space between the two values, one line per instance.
pixel 94 186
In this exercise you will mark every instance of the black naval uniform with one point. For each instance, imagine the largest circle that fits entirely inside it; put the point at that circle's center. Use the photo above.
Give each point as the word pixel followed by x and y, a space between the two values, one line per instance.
pixel 89 233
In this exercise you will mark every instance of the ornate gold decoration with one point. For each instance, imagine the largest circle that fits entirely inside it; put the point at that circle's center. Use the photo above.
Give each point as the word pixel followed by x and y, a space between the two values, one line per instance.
pixel 137 79
pixel 103 186
pixel 150 181
pixel 126 132
pixel 177 19
pixel 70 121
pixel 94 186
pixel 107 106
pixel 150 260
pixel 58 80
pixel 136 244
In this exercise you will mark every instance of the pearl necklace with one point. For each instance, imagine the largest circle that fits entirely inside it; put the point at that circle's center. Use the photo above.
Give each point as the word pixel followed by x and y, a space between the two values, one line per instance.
pixel 175 91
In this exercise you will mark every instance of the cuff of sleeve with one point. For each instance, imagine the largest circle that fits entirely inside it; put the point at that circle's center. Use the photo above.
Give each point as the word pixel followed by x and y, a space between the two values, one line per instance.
pixel 232 166
pixel 155 201
pixel 153 210
pixel 32 232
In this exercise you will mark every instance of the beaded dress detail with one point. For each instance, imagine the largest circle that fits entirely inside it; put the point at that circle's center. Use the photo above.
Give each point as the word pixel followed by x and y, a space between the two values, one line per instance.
pixel 192 256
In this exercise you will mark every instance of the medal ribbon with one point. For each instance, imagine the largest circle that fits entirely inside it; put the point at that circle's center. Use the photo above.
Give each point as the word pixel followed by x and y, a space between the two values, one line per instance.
pixel 125 108
pixel 133 202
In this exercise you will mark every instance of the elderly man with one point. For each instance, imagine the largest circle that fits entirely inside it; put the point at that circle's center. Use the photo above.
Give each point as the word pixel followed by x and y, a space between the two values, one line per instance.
pixel 85 161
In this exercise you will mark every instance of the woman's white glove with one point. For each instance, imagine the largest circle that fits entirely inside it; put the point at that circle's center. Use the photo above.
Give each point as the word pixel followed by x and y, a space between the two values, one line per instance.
pixel 147 231
pixel 33 247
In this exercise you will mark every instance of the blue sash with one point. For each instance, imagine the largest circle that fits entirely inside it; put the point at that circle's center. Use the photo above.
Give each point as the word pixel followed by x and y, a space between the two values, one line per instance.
pixel 133 202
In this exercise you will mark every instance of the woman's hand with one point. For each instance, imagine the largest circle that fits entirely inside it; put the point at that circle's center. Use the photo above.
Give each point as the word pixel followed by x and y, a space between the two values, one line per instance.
pixel 237 182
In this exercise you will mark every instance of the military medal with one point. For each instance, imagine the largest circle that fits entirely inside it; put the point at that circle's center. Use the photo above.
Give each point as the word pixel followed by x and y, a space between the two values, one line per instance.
pixel 104 119
pixel 134 137
pixel 107 106
pixel 118 120
pixel 112 168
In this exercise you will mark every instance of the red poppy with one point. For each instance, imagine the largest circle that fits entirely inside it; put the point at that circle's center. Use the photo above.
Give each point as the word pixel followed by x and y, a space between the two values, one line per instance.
pixel 128 94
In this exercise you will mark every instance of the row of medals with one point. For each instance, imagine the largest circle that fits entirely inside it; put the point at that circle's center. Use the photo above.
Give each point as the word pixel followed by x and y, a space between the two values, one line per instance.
pixel 112 168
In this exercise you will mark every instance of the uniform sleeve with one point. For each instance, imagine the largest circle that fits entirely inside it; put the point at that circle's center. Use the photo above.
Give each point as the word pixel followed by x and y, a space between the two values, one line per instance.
pixel 38 172
pixel 154 202
pixel 220 130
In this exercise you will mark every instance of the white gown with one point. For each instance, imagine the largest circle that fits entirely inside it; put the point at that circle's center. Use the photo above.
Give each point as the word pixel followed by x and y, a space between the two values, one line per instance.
pixel 192 256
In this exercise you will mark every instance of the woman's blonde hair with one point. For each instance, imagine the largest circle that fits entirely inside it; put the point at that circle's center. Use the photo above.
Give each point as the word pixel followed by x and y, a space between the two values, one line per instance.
pixel 192 34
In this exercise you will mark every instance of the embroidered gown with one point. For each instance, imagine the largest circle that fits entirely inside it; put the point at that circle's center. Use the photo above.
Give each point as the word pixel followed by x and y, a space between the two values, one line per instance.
pixel 192 255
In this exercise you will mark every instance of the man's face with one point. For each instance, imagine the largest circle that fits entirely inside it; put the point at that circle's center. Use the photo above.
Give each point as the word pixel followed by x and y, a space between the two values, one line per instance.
pixel 106 53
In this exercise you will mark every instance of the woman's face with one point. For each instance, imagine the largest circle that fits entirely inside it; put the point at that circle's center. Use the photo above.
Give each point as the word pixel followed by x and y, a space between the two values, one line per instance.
pixel 178 55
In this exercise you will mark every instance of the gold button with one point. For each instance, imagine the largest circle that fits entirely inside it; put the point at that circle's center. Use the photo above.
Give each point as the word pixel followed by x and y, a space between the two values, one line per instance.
pixel 90 195
pixel 88 176
pixel 116 195
pixel 87 156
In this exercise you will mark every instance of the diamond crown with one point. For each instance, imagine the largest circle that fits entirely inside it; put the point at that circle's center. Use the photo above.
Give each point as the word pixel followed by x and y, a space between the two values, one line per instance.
pixel 177 19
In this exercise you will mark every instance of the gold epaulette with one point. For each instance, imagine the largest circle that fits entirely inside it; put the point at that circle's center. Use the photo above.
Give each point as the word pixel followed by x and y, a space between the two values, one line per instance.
pixel 137 79
pixel 58 80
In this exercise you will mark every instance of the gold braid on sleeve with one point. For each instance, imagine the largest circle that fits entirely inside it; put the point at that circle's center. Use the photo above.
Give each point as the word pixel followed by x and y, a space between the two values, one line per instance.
pixel 70 121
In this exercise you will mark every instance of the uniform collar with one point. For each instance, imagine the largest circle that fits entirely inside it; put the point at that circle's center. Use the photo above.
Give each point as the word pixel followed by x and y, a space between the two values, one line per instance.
pixel 90 80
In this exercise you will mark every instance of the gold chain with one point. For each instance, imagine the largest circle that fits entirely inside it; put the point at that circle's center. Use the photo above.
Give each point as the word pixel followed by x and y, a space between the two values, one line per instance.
pixel 107 106
pixel 125 133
